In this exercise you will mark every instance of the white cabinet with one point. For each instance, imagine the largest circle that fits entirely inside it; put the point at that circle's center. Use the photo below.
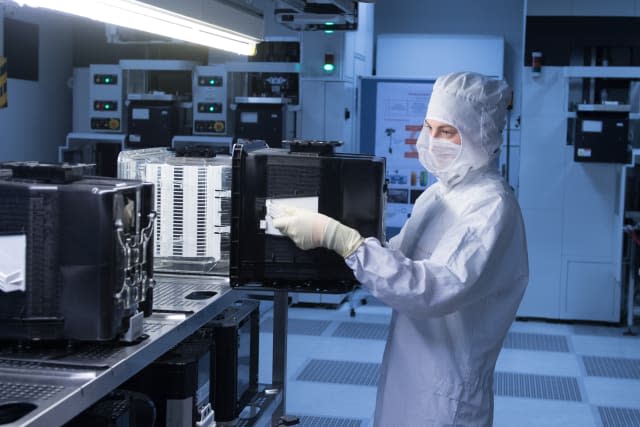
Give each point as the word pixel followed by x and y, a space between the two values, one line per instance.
pixel 328 99
pixel 327 112
pixel 591 291
pixel 570 211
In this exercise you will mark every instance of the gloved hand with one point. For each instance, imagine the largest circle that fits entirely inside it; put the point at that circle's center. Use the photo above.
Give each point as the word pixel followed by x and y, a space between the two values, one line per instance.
pixel 310 230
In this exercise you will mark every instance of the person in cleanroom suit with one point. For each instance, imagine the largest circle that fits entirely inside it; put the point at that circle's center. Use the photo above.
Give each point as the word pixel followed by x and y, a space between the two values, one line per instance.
pixel 455 274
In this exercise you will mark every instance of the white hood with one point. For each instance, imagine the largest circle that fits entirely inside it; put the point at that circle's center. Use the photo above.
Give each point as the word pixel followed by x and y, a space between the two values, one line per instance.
pixel 476 105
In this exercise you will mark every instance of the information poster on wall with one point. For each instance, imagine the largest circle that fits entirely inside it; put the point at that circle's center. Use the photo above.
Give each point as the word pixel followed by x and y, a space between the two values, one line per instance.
pixel 400 112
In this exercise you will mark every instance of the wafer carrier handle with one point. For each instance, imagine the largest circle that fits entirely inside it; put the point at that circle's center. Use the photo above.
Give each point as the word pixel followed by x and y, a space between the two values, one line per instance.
pixel 322 148
pixel 48 172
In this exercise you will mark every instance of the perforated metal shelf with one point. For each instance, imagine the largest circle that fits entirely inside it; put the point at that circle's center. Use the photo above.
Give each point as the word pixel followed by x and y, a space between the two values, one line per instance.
pixel 60 380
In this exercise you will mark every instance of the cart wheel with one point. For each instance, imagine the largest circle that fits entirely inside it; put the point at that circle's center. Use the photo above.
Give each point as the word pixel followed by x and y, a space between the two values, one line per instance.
pixel 352 313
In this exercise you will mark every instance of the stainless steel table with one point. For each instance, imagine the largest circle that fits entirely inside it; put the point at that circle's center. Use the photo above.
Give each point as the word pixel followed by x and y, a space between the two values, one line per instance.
pixel 59 382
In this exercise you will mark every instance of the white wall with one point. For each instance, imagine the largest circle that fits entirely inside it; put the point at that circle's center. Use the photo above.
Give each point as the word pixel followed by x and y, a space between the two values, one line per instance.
pixel 38 117
pixel 503 18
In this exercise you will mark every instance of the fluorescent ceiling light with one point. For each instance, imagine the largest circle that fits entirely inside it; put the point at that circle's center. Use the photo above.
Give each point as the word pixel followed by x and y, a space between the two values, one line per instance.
pixel 144 17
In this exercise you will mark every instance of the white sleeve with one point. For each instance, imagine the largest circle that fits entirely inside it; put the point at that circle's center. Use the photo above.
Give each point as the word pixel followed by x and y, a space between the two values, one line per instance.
pixel 444 281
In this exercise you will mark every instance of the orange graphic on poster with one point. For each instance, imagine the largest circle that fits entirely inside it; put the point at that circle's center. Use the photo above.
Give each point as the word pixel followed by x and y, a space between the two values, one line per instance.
pixel 411 140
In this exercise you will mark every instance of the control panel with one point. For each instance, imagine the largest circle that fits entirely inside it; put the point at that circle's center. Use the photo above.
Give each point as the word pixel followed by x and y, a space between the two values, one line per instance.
pixel 106 93
pixel 210 100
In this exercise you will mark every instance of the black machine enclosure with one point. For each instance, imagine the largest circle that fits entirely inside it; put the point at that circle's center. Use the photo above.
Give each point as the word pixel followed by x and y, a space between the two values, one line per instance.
pixel 261 121
pixel 79 282
pixel 152 123
pixel 350 188
pixel 120 408
pixel 236 335
pixel 178 383
pixel 602 134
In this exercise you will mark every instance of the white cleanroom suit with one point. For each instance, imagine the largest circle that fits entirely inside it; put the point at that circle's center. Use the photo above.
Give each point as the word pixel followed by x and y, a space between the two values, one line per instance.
pixel 455 274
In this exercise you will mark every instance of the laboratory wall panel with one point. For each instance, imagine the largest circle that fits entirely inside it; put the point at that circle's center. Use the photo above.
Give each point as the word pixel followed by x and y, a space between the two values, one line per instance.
pixel 38 115
pixel 541 162
pixel 591 292
pixel 542 297
pixel 544 94
pixel 590 204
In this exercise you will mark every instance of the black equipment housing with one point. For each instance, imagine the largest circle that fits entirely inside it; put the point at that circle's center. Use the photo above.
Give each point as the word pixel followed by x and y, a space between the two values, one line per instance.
pixel 236 334
pixel 89 252
pixel 350 188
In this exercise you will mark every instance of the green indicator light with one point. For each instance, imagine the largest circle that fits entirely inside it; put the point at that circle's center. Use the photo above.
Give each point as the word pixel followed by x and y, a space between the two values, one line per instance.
pixel 107 106
pixel 211 109
pixel 107 80
pixel 328 30
pixel 328 67
pixel 212 82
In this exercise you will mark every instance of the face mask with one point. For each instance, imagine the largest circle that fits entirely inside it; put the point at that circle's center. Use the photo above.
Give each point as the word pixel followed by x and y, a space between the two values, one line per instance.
pixel 436 154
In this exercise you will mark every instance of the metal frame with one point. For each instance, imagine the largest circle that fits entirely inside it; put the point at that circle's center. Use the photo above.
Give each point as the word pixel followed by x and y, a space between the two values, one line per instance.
pixel 81 375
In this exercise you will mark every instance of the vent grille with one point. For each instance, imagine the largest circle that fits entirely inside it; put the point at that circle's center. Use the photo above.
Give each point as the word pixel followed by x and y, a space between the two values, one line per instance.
pixel 201 215
pixel 225 211
pixel 612 367
pixel 369 331
pixel 340 372
pixel 27 392
pixel 536 386
pixel 536 342
pixel 96 352
pixel 619 417
pixel 151 327
pixel 315 421
pixel 158 209
pixel 38 366
pixel 299 326
pixel 178 211
pixel 171 295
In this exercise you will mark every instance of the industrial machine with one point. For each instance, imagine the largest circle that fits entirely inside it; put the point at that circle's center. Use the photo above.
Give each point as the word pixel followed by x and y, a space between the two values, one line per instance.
pixel 106 98
pixel 139 104
pixel 210 100
pixel 120 408
pixel 213 374
pixel 236 335
pixel 602 133
pixel 316 15
pixel 193 202
pixel 266 96
pixel 77 254
pixel 350 188
pixel 178 383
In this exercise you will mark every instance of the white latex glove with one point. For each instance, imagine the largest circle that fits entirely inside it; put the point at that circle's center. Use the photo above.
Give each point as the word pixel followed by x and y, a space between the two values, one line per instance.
pixel 310 230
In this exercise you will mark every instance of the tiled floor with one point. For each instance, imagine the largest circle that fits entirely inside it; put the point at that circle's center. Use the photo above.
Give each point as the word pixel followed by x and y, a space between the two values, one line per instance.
pixel 548 374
